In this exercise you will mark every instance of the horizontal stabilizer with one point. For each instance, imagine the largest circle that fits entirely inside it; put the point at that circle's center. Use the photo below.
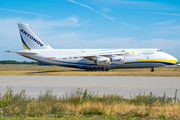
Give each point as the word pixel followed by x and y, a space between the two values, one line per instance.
pixel 22 52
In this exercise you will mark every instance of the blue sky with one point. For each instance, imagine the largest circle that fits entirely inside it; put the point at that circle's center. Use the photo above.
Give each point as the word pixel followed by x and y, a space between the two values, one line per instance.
pixel 92 24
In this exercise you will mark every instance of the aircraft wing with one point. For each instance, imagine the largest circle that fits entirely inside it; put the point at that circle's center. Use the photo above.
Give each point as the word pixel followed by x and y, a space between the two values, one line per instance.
pixel 94 55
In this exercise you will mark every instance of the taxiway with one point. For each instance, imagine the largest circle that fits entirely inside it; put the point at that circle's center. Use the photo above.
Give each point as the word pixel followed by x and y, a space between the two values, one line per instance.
pixel 122 85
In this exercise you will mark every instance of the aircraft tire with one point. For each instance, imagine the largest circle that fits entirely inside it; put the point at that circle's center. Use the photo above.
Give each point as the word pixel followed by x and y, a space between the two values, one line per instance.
pixel 152 70
pixel 103 69
pixel 98 69
pixel 90 69
pixel 87 69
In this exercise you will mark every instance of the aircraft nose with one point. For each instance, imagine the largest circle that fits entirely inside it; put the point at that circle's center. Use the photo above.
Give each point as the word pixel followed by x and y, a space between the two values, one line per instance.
pixel 173 59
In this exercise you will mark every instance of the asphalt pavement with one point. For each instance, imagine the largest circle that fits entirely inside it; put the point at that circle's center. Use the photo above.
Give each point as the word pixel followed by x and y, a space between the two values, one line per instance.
pixel 122 85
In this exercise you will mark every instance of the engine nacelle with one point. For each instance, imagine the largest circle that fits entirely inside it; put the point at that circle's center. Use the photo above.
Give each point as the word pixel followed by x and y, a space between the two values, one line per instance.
pixel 117 60
pixel 103 61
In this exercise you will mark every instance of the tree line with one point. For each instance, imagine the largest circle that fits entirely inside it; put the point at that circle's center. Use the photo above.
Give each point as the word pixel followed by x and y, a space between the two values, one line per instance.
pixel 16 62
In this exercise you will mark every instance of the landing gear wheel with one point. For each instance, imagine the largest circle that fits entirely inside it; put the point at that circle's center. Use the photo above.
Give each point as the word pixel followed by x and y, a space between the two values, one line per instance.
pixel 107 69
pixel 90 69
pixel 87 69
pixel 152 70
pixel 99 69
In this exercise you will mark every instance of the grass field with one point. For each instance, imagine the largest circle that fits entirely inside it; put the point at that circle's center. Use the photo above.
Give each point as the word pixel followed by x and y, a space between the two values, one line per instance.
pixel 10 69
pixel 84 104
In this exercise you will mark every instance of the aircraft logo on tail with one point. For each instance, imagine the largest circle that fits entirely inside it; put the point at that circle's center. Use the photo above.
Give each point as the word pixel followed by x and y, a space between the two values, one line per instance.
pixel 31 37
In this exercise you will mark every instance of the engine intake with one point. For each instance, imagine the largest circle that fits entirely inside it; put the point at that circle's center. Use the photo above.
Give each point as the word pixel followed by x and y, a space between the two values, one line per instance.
pixel 103 61
pixel 117 60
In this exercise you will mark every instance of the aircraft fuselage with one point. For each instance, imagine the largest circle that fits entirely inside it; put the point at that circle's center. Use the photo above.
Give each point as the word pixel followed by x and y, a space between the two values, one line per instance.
pixel 134 58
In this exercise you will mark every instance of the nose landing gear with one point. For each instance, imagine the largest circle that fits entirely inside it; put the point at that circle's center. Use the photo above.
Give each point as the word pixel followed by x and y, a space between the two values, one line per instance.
pixel 152 70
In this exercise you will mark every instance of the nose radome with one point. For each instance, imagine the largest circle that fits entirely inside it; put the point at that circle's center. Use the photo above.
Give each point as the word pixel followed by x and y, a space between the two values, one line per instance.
pixel 173 59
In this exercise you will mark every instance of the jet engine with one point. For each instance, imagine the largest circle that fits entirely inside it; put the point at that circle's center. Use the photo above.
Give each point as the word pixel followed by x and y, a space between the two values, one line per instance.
pixel 117 60
pixel 103 61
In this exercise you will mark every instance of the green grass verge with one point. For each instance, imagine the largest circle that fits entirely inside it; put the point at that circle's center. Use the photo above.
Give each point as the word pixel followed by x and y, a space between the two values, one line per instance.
pixel 84 104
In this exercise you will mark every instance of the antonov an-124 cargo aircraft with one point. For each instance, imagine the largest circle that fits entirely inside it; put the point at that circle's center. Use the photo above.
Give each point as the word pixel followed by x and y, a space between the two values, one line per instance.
pixel 90 59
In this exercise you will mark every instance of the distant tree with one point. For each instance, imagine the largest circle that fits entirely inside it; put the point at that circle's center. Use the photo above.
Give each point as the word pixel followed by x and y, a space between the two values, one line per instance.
pixel 16 62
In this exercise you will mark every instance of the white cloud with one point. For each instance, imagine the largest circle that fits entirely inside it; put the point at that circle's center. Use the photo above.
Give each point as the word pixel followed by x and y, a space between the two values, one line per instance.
pixel 106 10
pixel 176 27
pixel 25 12
pixel 173 14
pixel 106 16
pixel 123 2
pixel 67 22
pixel 169 14
pixel 130 25
pixel 164 22
pixel 9 25
pixel 168 28
pixel 63 40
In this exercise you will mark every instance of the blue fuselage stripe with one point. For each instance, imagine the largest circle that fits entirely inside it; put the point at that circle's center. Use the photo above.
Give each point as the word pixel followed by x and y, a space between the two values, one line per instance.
pixel 166 63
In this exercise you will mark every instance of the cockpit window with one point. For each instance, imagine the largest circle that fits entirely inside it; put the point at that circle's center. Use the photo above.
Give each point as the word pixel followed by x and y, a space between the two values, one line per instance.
pixel 159 50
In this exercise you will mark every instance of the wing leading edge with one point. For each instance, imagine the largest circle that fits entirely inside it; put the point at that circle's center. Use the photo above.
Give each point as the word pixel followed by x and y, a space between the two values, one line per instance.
pixel 93 55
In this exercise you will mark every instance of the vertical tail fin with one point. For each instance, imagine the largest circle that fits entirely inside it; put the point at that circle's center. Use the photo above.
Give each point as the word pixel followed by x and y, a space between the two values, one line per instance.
pixel 30 39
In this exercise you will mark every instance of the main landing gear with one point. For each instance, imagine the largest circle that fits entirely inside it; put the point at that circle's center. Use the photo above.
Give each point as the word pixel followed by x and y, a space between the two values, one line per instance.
pixel 152 70
pixel 97 69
